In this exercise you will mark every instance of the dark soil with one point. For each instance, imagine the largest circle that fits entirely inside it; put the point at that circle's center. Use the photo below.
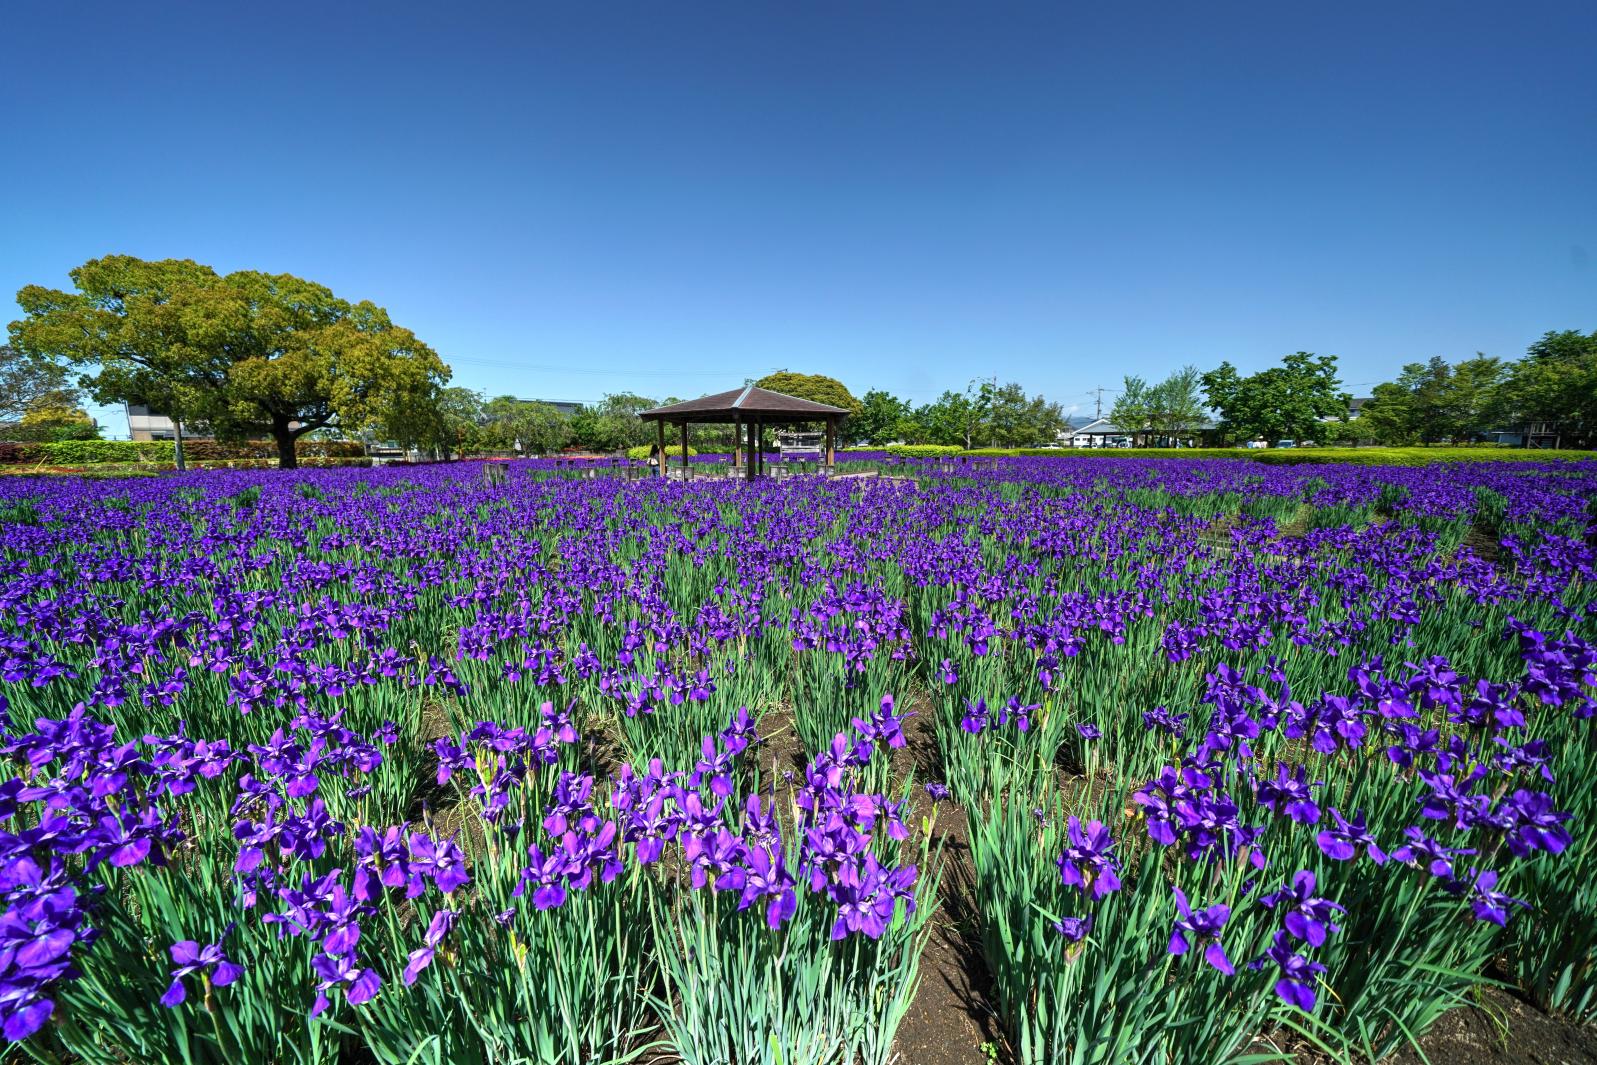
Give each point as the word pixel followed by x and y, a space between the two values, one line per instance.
pixel 1503 1029
pixel 951 1021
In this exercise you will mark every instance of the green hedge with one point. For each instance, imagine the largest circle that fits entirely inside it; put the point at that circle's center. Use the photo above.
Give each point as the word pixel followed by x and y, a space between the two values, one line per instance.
pixel 1409 456
pixel 924 451
pixel 643 451
pixel 131 469
pixel 94 452
pixel 1295 456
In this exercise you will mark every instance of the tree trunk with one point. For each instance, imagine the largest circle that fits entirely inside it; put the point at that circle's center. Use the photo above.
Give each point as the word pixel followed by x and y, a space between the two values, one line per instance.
pixel 286 457
pixel 177 443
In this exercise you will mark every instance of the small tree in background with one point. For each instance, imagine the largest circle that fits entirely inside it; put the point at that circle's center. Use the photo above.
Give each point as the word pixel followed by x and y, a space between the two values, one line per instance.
pixel 26 382
pixel 817 388
pixel 878 419
pixel 538 427
pixel 56 416
pixel 1171 408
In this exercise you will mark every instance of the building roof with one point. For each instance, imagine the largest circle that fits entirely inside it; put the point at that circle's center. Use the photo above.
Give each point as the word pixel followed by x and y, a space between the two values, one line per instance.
pixel 750 401
pixel 1102 426
pixel 1105 427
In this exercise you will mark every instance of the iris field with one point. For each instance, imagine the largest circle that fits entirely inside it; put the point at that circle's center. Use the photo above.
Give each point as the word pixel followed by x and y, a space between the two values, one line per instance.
pixel 402 766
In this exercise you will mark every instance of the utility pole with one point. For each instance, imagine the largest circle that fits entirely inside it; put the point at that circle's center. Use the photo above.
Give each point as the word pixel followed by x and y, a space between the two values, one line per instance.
pixel 1098 410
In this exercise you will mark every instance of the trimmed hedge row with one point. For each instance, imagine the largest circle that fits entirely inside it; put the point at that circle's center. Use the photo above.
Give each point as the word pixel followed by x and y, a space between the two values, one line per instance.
pixel 93 452
pixel 1362 456
pixel 150 469
pixel 642 451
pixel 928 451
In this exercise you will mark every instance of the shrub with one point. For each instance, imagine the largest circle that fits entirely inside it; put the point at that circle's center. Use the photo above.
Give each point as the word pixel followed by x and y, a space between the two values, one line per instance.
pixel 674 451
pixel 924 451
pixel 94 452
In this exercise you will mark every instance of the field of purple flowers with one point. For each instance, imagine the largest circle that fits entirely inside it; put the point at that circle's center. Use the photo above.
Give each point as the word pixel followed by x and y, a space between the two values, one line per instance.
pixel 404 766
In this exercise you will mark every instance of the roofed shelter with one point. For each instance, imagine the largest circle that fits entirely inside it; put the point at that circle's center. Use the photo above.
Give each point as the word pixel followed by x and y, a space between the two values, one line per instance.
pixel 749 409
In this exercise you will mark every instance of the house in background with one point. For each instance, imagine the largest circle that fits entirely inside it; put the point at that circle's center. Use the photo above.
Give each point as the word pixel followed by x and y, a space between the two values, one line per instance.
pixel 1105 433
pixel 566 409
pixel 1532 434
pixel 145 424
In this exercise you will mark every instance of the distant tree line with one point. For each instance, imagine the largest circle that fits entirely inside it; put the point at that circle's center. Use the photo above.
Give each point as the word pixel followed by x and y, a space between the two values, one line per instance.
pixel 250 355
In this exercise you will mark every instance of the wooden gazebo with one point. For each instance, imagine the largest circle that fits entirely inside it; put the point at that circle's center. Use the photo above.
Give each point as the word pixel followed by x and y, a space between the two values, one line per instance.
pixel 749 409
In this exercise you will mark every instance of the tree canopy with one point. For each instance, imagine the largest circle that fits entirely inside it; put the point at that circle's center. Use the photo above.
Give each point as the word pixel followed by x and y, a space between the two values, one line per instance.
pixel 1282 402
pixel 612 424
pixel 1556 383
pixel 1435 401
pixel 26 383
pixel 817 388
pixel 1171 407
pixel 244 353
pixel 879 420
pixel 985 415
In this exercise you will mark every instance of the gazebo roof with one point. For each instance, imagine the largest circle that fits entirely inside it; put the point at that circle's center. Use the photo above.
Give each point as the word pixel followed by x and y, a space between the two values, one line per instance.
pixel 750 401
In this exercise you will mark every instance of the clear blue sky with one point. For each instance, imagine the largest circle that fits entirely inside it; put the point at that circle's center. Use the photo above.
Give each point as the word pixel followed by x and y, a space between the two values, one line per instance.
pixel 567 200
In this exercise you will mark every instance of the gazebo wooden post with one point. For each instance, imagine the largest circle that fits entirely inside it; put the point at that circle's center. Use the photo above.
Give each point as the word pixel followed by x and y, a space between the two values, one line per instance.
pixel 737 441
pixel 831 441
pixel 748 454
pixel 659 436
pixel 685 471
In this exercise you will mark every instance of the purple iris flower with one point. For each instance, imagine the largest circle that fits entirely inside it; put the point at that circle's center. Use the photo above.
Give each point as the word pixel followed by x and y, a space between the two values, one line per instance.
pixel 766 877
pixel 439 927
pixel 1422 850
pixel 343 970
pixel 1018 713
pixel 1343 841
pixel 1290 795
pixel 190 957
pixel 1298 976
pixel 1202 926
pixel 1073 929
pixel 1308 917
pixel 867 894
pixel 442 860
pixel 884 726
pixel 548 873
pixel 1489 904
pixel 1087 862
pixel 936 791
pixel 976 717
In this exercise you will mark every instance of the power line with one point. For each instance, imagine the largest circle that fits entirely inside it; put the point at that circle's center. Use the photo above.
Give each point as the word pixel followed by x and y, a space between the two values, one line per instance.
pixel 602 373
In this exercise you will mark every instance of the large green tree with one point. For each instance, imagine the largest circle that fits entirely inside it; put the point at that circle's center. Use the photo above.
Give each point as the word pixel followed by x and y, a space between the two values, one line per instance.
pixel 539 428
pixel 1435 401
pixel 1169 409
pixel 954 418
pixel 245 353
pixel 1015 419
pixel 817 388
pixel 1133 408
pixel 1287 401
pixel 1556 384
pixel 879 418
pixel 612 424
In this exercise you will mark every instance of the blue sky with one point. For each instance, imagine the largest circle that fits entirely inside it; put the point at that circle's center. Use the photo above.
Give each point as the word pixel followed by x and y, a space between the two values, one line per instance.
pixel 567 200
